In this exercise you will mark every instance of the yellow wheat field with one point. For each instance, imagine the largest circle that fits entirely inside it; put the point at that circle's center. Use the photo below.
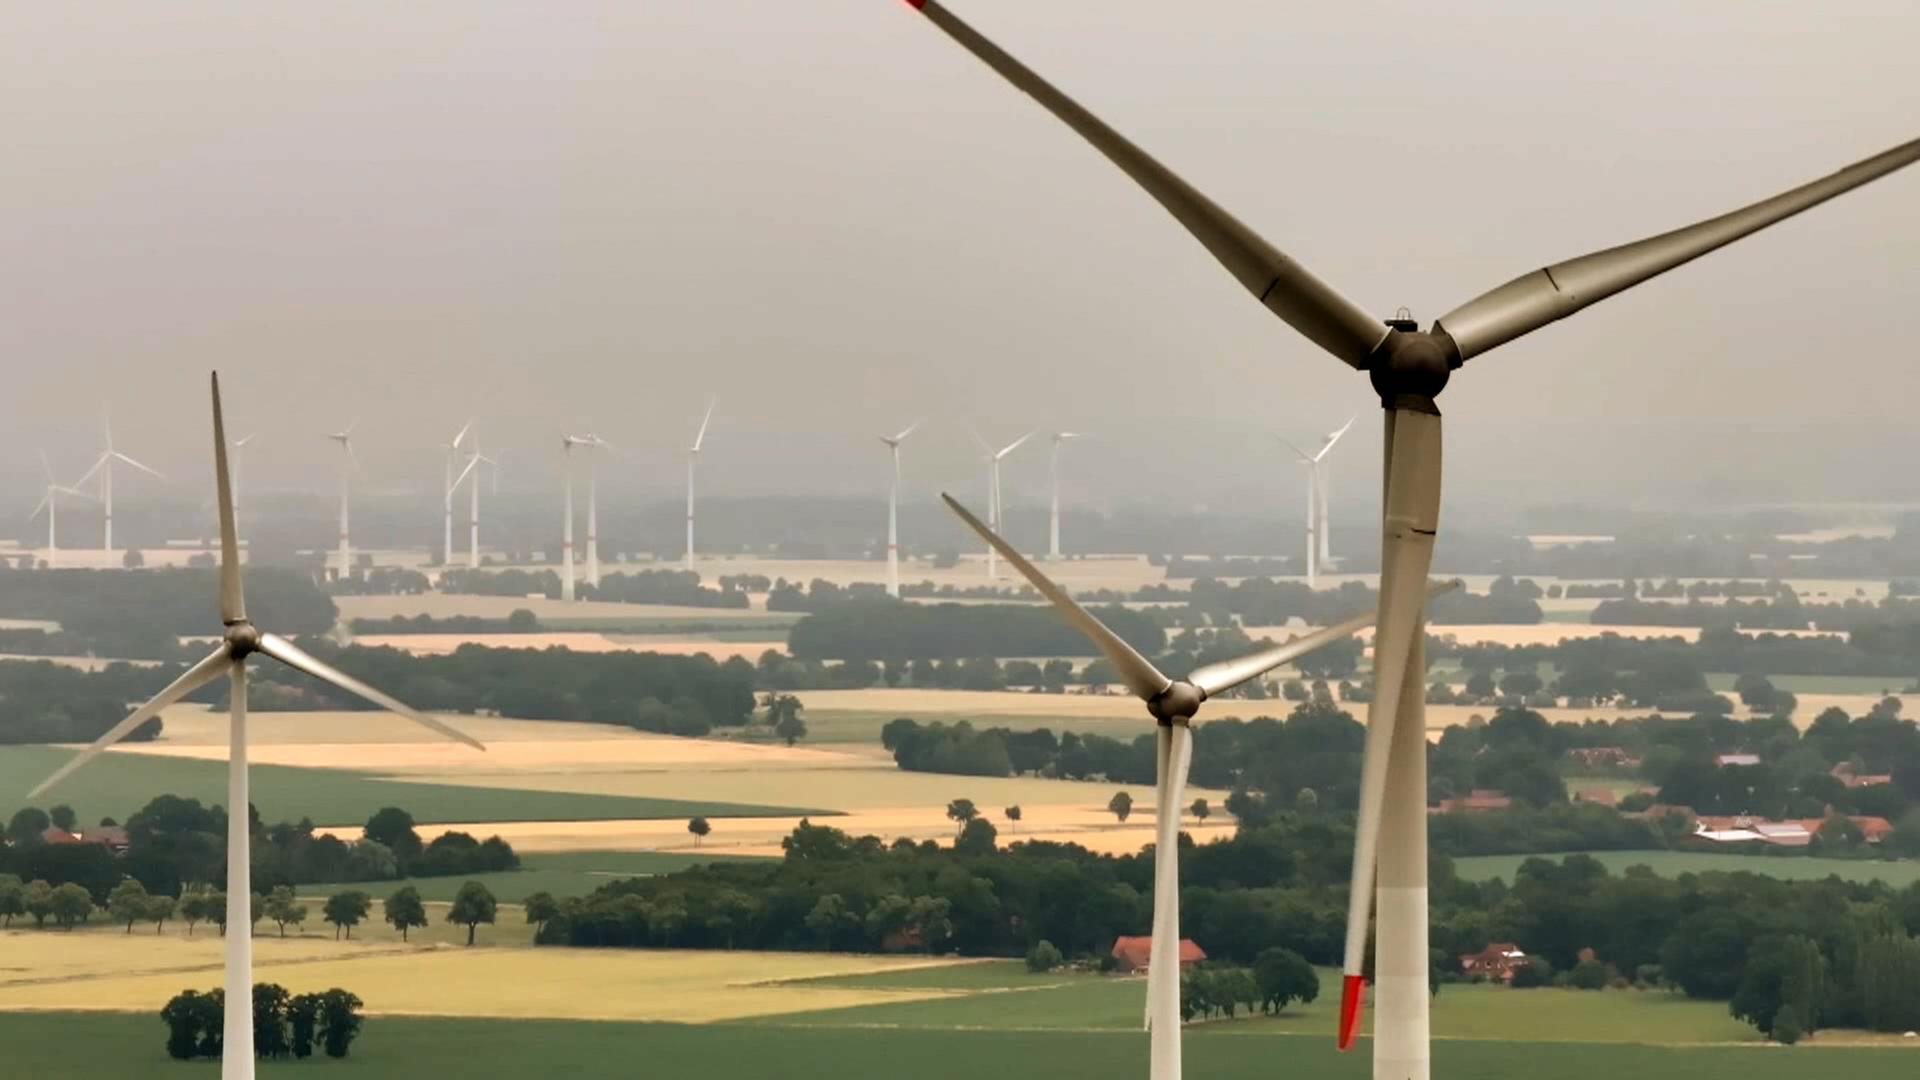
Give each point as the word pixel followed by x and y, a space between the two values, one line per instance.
pixel 107 971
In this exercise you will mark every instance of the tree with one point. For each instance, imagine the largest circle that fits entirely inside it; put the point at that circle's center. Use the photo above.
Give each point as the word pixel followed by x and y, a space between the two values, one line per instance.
pixel 472 905
pixel 340 1020
pixel 1201 809
pixel 133 560
pixel 830 920
pixel 699 828
pixel 1532 975
pixel 62 817
pixel 961 811
pixel 303 1017
pixel 128 903
pixel 194 907
pixel 1786 1026
pixel 783 716
pixel 283 909
pixel 1120 805
pixel 393 827
pixel 159 910
pixel 71 904
pixel 542 909
pixel 194 1024
pixel 1013 818
pixel 39 902
pixel 1043 957
pixel 13 898
pixel 403 910
pixel 977 837
pixel 28 826
pixel 270 1021
pixel 1785 975
pixel 345 910
pixel 1282 976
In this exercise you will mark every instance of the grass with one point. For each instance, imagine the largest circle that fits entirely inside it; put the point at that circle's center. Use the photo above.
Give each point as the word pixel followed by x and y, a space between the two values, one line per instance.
pixel 1005 995
pixel 1817 684
pixel 856 727
pixel 119 784
pixel 563 874
pixel 1672 863
pixel 96 1047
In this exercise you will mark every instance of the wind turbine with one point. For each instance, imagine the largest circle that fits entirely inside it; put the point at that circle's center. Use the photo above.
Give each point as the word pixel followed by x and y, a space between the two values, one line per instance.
pixel 1318 550
pixel 996 509
pixel 567 443
pixel 348 463
pixel 50 502
pixel 1408 368
pixel 1053 465
pixel 893 510
pixel 452 448
pixel 474 461
pixel 240 641
pixel 1173 706
pixel 593 442
pixel 103 465
pixel 693 458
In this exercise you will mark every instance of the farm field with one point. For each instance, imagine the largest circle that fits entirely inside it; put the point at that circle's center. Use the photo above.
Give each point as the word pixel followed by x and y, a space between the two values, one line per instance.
pixel 110 1047
pixel 121 782
pixel 1672 863
pixel 559 873
pixel 578 641
pixel 599 613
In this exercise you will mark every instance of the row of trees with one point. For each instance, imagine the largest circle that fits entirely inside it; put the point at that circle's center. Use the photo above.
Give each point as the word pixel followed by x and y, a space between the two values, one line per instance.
pixel 284 1025
pixel 142 614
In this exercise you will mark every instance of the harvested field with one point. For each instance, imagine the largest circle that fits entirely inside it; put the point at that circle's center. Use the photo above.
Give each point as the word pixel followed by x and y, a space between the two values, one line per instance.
pixel 443 605
pixel 108 971
pixel 578 641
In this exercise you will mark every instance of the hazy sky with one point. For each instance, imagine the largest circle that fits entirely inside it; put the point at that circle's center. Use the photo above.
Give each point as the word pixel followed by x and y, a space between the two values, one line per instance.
pixel 828 213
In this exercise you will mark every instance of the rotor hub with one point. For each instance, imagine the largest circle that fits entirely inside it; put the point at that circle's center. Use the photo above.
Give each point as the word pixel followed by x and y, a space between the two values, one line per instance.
pixel 1410 367
pixel 242 638
pixel 1177 703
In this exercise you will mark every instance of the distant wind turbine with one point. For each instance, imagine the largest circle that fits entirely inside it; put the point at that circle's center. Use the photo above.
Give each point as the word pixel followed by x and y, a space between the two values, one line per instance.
pixel 593 442
pixel 567 443
pixel 1053 465
pixel 893 509
pixel 50 504
pixel 474 461
pixel 240 641
pixel 1319 551
pixel 996 509
pixel 348 463
pixel 103 467
pixel 693 458
pixel 452 448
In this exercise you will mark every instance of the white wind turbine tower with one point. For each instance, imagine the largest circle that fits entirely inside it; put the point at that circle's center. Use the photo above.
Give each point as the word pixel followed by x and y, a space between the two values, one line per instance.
pixel 446 493
pixel 693 458
pixel 1173 706
pixel 348 463
pixel 1053 467
pixel 893 510
pixel 1408 368
pixel 1319 551
pixel 103 466
pixel 474 461
pixel 996 509
pixel 240 641
pixel 567 443
pixel 593 442
pixel 50 504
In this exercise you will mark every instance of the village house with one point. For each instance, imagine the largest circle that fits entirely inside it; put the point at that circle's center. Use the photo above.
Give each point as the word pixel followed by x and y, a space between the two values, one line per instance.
pixel 1134 955
pixel 1497 961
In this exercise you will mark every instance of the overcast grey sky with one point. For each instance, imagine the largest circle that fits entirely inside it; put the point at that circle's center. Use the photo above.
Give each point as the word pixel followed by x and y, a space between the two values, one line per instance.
pixel 828 213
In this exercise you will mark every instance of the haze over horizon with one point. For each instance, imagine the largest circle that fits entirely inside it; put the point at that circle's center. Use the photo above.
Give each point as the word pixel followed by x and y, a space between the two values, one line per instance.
pixel 838 222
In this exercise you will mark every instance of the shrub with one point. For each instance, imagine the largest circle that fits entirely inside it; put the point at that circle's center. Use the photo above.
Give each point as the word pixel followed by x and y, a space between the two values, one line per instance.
pixel 1043 957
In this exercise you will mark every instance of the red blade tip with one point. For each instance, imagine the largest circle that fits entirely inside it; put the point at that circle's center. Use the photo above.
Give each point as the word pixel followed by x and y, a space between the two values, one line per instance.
pixel 1353 993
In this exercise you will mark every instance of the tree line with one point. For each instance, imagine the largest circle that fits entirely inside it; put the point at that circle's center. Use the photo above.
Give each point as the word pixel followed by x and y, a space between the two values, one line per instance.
pixel 285 1025
pixel 140 614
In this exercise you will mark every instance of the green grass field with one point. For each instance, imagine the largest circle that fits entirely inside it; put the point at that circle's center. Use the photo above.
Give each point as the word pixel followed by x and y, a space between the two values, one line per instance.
pixel 1077 1001
pixel 844 727
pixel 1671 863
pixel 1816 684
pixel 86 1047
pixel 118 784
pixel 561 873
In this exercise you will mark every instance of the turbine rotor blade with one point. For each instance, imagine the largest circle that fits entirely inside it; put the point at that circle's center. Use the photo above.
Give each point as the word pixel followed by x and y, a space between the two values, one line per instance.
pixel 1282 285
pixel 1014 445
pixel 300 660
pixel 462 437
pixel 155 473
pixel 1411 517
pixel 472 463
pixel 1531 301
pixel 1301 454
pixel 207 670
pixel 1335 437
pixel 701 437
pixel 1139 675
pixel 98 464
pixel 233 601
pixel 1224 675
